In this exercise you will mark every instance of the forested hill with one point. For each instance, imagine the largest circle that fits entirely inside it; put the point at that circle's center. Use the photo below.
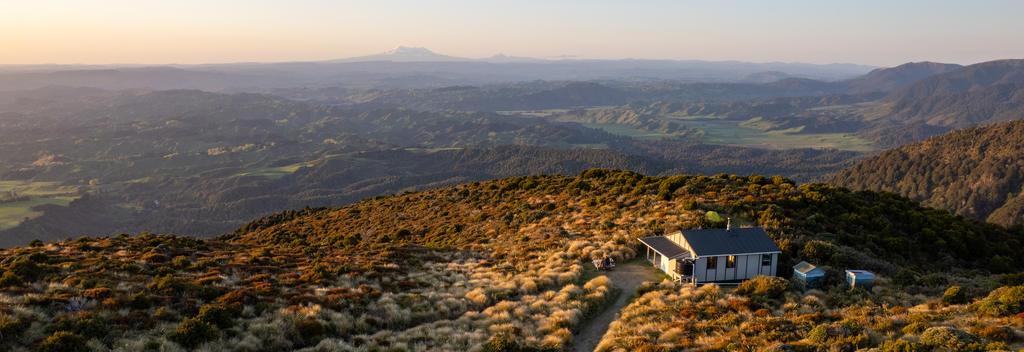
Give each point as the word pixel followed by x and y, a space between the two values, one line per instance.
pixel 894 78
pixel 77 161
pixel 465 267
pixel 980 93
pixel 977 172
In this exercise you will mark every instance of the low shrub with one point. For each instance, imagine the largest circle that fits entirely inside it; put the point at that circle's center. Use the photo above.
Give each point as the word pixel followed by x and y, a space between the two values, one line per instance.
pixel 98 293
pixel 26 269
pixel 193 332
pixel 501 343
pixel 168 284
pixel 63 341
pixel 82 323
pixel 915 328
pixel 902 346
pixel 1003 301
pixel 309 329
pixel 9 279
pixel 215 315
pixel 11 329
pixel 954 295
pixel 765 286
pixel 944 336
pixel 997 333
pixel 155 258
pixel 141 301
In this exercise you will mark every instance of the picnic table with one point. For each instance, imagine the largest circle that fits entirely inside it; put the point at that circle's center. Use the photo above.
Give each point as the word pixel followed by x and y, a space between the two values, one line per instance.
pixel 604 264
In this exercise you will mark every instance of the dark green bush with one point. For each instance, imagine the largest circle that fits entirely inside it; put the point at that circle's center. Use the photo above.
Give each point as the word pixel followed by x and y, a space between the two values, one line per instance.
pixel 10 328
pixel 1002 301
pixel 9 279
pixel 817 251
pixel 168 284
pixel 944 336
pixel 63 341
pixel 954 295
pixel 215 315
pixel 819 334
pixel 915 328
pixel 997 333
pixel 765 286
pixel 141 301
pixel 165 314
pixel 309 329
pixel 902 346
pixel 26 269
pixel 83 324
pixel 193 332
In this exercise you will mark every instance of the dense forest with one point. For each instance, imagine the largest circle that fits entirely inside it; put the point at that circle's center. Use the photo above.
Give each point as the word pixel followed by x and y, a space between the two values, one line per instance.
pixel 977 172
pixel 503 265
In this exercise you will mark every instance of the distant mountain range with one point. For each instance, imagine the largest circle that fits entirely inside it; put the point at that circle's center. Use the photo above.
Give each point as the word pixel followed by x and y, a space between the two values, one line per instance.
pixel 405 54
pixel 982 93
pixel 417 54
pixel 405 67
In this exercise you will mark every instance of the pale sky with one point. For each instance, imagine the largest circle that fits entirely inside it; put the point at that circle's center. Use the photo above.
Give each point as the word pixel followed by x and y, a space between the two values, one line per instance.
pixel 882 33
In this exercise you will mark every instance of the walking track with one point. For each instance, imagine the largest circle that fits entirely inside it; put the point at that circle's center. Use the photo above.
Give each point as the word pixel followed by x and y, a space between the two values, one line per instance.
pixel 626 277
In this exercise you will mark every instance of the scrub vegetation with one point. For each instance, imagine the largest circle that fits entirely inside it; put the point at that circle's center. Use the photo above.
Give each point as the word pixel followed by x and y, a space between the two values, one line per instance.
pixel 499 265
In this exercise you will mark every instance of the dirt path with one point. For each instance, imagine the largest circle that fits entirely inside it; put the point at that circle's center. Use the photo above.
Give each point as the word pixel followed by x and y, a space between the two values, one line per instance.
pixel 626 277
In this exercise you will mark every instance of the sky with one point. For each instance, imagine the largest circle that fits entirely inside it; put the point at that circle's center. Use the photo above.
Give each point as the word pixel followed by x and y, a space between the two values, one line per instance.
pixel 880 33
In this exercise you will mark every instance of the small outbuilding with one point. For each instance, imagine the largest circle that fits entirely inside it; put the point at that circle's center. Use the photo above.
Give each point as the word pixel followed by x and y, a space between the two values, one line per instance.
pixel 714 255
pixel 860 279
pixel 809 275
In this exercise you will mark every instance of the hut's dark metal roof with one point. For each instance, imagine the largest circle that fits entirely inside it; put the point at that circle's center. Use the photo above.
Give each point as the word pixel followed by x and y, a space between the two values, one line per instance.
pixel 665 246
pixel 746 240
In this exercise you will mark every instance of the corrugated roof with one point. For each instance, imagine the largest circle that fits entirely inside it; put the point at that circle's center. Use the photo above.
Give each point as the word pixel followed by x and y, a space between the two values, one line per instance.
pixel 805 267
pixel 747 240
pixel 665 246
pixel 861 274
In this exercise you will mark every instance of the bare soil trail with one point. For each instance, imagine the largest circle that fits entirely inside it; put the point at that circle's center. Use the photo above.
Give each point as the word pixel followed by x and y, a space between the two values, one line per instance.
pixel 627 277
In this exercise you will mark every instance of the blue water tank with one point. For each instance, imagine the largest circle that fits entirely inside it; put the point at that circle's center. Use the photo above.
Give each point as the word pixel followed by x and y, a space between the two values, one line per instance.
pixel 860 278
pixel 812 276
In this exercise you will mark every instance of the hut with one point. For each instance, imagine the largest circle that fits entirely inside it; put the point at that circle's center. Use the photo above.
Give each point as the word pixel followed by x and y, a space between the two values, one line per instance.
pixel 808 275
pixel 728 255
pixel 860 279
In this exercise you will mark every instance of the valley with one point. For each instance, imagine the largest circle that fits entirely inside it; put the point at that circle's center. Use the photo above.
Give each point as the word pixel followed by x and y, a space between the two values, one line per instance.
pixel 387 203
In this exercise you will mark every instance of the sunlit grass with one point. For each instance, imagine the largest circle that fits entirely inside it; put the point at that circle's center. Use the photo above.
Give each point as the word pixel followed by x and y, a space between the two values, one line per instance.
pixel 753 133
pixel 631 132
pixel 39 193
pixel 276 172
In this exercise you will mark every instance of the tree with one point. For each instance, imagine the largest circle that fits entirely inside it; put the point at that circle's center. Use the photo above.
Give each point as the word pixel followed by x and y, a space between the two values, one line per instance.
pixel 818 251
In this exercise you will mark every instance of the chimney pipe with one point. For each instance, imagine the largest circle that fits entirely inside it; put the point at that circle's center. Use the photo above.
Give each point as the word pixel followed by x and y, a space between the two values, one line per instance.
pixel 728 224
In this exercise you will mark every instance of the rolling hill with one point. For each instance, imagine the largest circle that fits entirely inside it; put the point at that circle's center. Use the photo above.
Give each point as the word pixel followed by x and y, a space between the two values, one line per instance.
pixel 982 93
pixel 891 79
pixel 200 163
pixel 977 172
pixel 504 265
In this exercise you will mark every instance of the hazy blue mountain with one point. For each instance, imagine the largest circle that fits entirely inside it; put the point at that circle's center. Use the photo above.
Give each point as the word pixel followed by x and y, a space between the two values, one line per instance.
pixel 404 67
pixel 894 78
pixel 404 54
